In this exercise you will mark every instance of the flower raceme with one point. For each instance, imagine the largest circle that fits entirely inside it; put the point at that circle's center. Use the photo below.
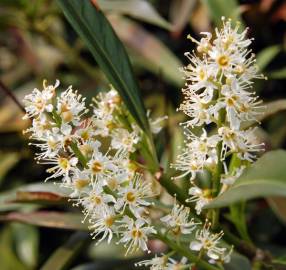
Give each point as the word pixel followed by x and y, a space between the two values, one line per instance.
pixel 104 182
pixel 218 99
pixel 96 152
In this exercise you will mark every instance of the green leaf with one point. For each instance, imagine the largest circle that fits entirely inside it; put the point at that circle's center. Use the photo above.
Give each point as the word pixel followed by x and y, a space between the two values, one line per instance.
pixel 9 260
pixel 180 13
pixel 266 177
pixel 7 162
pixel 139 9
pixel 278 74
pixel 149 52
pixel 64 255
pixel 237 217
pixel 26 238
pixel 219 8
pixel 278 205
pixel 49 219
pixel 95 30
pixel 32 193
pixel 238 262
pixel 270 109
pixel 266 56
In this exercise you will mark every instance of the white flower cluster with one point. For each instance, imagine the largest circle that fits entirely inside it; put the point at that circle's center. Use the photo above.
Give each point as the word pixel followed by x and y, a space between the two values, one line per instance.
pixel 218 94
pixel 104 181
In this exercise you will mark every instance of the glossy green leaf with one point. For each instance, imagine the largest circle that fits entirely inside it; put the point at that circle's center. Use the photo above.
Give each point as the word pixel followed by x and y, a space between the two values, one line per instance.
pixel 278 205
pixel 266 56
pixel 97 33
pixel 278 74
pixel 238 218
pixel 139 9
pixel 148 51
pixel 266 177
pixel 180 13
pixel 7 162
pixel 26 239
pixel 8 257
pixel 49 219
pixel 238 262
pixel 64 255
pixel 32 193
pixel 220 8
pixel 270 109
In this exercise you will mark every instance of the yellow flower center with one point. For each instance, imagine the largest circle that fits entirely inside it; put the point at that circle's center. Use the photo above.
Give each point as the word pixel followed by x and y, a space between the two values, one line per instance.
pixel 109 221
pixel 63 163
pixel 223 60
pixel 136 233
pixel 81 183
pixel 96 199
pixel 67 116
pixel 85 135
pixel 130 196
pixel 112 183
pixel 96 167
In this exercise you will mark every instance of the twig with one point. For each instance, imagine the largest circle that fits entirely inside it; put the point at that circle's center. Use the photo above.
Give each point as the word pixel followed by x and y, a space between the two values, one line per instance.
pixel 10 94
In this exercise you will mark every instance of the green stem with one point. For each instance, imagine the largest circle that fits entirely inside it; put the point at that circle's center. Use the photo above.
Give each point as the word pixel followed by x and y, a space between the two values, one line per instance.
pixel 79 154
pixel 185 252
pixel 218 172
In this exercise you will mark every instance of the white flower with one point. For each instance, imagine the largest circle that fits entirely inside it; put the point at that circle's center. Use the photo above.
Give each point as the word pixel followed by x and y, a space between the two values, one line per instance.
pixel 106 103
pixel 209 243
pixel 200 75
pixel 39 101
pixel 197 108
pixel 135 234
pixel 123 139
pixel 240 105
pixel 102 166
pixel 204 44
pixel 231 38
pixel 86 131
pixel 71 106
pixel 133 195
pixel 179 220
pixel 41 127
pixel 200 197
pixel 156 263
pixel 156 124
pixel 104 106
pixel 175 265
pixel 229 178
pixel 240 142
pixel 95 201
pixel 63 166
pixel 103 223
pixel 198 153
pixel 79 184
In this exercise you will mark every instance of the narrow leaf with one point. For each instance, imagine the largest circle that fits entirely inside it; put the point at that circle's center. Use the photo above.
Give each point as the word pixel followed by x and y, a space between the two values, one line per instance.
pixel 32 193
pixel 267 55
pixel 278 74
pixel 64 255
pixel 148 51
pixel 278 205
pixel 219 8
pixel 139 9
pixel 180 13
pixel 7 162
pixel 47 219
pixel 97 33
pixel 270 109
pixel 26 238
pixel 265 178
